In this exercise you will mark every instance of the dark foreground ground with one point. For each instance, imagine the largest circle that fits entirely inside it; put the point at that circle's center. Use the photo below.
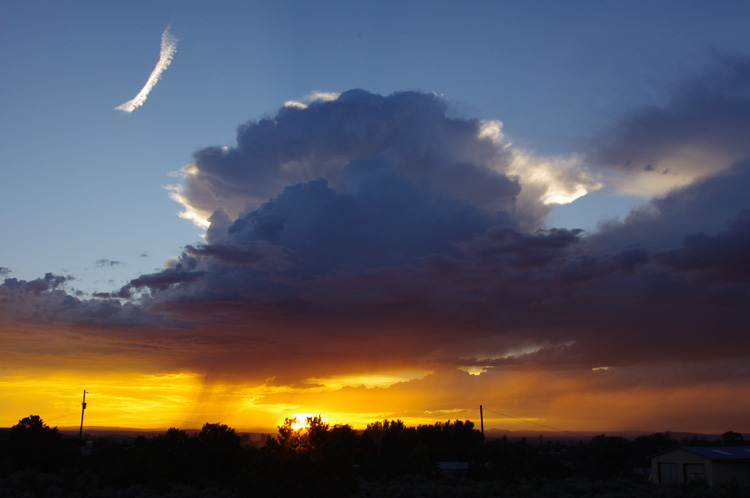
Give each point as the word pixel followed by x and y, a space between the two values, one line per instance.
pixel 455 487
pixel 28 484
pixel 388 459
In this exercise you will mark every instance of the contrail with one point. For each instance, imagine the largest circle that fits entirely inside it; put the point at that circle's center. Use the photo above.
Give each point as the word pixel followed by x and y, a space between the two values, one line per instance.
pixel 168 48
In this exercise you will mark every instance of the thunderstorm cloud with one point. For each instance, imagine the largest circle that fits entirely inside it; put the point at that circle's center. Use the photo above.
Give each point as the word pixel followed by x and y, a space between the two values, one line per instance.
pixel 384 213
pixel 405 137
pixel 362 233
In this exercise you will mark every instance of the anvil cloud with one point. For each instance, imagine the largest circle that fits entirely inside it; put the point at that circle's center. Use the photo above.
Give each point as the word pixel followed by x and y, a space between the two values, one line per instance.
pixel 374 233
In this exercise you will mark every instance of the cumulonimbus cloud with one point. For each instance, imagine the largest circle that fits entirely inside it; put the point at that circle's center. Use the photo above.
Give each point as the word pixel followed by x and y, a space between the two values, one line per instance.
pixel 168 49
pixel 362 235
pixel 465 159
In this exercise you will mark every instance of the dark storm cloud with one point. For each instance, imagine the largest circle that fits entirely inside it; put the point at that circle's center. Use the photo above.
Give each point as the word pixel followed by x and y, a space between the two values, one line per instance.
pixel 165 279
pixel 577 302
pixel 374 230
pixel 49 300
pixel 227 253
pixel 724 257
pixel 36 287
pixel 382 240
pixel 700 131
pixel 712 111
pixel 384 220
pixel 182 273
pixel 522 251
pixel 377 219
pixel 707 206
pixel 299 145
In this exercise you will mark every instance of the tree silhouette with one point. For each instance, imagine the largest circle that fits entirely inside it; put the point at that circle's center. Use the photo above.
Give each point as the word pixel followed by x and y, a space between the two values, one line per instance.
pixel 176 456
pixel 645 446
pixel 33 444
pixel 731 438
pixel 316 460
pixel 321 460
pixel 219 451
pixel 610 456
pixel 451 441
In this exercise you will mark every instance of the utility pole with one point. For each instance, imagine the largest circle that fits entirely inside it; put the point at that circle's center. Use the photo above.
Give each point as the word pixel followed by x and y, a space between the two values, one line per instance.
pixel 484 448
pixel 83 409
pixel 481 420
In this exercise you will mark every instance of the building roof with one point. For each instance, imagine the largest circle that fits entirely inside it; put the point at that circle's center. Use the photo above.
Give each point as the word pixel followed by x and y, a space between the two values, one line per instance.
pixel 724 453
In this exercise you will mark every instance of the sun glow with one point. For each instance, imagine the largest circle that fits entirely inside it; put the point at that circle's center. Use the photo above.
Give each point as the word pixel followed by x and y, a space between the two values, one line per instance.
pixel 186 401
pixel 301 420
pixel 177 193
pixel 553 180
pixel 560 180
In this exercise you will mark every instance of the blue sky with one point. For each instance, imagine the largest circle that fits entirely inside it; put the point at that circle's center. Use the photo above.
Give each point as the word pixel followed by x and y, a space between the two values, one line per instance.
pixel 83 182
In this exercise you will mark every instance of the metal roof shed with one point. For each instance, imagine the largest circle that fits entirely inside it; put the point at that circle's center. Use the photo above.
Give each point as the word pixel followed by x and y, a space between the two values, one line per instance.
pixel 715 464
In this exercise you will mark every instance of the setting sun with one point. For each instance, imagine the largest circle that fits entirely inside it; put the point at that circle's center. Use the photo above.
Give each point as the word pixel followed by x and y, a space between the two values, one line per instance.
pixel 301 420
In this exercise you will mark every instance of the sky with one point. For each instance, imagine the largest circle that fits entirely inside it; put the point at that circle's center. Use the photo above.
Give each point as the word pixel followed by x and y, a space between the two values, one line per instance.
pixel 247 211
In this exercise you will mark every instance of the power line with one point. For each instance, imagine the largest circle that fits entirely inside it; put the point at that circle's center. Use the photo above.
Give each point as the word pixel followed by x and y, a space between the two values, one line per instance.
pixel 557 429
pixel 535 423
pixel 61 416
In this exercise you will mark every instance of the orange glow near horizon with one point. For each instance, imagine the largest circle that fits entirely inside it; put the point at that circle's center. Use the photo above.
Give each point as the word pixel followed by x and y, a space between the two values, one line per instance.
pixel 114 400
pixel 523 401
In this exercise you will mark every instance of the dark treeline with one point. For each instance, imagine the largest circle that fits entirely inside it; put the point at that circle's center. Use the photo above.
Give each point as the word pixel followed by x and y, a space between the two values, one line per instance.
pixel 320 460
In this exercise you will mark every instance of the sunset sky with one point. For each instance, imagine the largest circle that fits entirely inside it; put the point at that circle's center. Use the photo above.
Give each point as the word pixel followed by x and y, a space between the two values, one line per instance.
pixel 245 211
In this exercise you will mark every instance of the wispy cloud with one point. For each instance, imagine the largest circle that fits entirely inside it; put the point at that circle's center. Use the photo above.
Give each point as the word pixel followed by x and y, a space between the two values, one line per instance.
pixel 168 49
pixel 314 96
pixel 104 263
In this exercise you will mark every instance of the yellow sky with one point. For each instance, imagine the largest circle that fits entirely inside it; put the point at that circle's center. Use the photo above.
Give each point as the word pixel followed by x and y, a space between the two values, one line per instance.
pixel 512 401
